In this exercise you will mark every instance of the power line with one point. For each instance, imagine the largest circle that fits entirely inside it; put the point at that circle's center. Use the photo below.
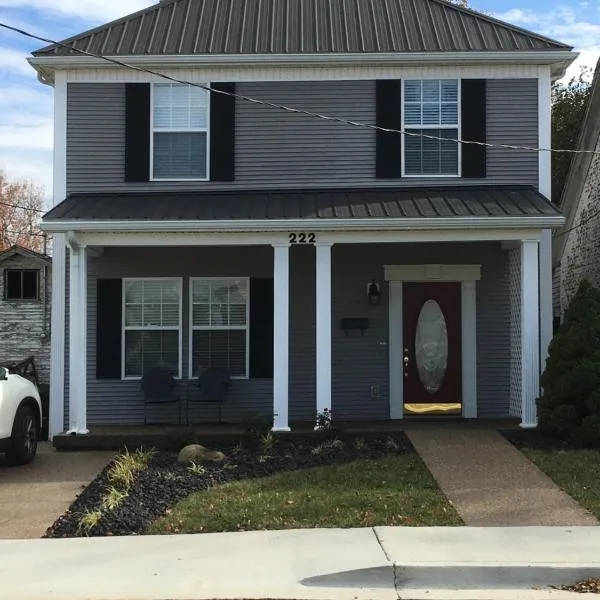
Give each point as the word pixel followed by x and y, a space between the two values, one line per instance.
pixel 37 210
pixel 13 232
pixel 284 107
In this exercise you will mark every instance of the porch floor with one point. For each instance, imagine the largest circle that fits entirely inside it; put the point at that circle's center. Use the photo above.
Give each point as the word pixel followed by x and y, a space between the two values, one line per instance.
pixel 115 437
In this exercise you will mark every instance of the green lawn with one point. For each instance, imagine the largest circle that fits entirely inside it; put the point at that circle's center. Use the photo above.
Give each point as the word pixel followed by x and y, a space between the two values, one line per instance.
pixel 395 490
pixel 577 472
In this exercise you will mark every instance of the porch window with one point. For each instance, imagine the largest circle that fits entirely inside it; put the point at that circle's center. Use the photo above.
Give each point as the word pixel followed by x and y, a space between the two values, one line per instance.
pixel 219 325
pixel 21 284
pixel 431 107
pixel 179 132
pixel 152 325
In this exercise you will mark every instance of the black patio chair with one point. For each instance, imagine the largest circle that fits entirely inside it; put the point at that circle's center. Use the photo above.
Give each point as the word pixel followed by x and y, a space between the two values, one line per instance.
pixel 159 387
pixel 210 388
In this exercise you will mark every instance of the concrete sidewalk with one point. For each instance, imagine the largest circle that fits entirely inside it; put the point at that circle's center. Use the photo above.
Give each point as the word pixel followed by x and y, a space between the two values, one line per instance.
pixel 33 496
pixel 379 564
pixel 489 481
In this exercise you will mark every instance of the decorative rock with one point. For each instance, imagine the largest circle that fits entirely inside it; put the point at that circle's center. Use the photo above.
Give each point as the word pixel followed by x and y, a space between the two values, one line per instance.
pixel 198 454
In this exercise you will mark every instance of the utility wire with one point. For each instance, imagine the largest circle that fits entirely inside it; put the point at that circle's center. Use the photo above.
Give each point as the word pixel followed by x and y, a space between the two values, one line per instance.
pixel 283 107
pixel 580 224
pixel 37 210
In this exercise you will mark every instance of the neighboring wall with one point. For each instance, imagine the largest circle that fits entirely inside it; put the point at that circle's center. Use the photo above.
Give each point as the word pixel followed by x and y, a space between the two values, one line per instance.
pixel 25 324
pixel 359 362
pixel 581 255
pixel 278 149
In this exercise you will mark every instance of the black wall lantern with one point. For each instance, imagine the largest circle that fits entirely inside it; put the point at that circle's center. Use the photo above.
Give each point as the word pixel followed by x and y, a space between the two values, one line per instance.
pixel 373 293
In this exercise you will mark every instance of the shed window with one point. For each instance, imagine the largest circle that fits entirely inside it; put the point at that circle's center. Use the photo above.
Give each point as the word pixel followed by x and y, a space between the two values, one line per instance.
pixel 21 284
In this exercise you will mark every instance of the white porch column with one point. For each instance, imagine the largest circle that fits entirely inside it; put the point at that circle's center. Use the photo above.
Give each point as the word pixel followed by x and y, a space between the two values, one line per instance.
pixel 56 418
pixel 281 335
pixel 530 331
pixel 323 333
pixel 77 339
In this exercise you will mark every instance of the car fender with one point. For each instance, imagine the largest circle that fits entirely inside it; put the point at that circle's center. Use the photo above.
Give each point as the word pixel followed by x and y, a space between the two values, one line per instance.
pixel 14 391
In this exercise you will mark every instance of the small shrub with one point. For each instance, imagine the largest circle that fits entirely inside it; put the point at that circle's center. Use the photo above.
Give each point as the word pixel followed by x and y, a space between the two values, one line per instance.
pixel 113 498
pixel 391 444
pixel 325 427
pixel 267 442
pixel 88 521
pixel 569 407
pixel 256 427
pixel 196 469
pixel 359 444
pixel 328 446
pixel 127 465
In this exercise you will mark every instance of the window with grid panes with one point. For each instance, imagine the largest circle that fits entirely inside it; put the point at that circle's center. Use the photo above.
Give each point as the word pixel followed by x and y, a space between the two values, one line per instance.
pixel 431 107
pixel 219 325
pixel 152 325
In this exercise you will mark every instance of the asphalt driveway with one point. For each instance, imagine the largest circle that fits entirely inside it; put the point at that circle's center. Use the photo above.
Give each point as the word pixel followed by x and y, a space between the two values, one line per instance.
pixel 33 496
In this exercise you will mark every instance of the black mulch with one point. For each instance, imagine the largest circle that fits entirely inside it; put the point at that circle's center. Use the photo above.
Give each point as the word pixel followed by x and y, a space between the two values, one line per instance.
pixel 535 440
pixel 166 482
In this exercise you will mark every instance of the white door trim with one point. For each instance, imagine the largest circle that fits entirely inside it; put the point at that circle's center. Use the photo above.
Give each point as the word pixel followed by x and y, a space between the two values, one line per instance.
pixel 467 275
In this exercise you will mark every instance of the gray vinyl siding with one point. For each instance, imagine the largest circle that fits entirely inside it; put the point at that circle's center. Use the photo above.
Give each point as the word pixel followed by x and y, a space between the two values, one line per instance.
pixel 277 149
pixel 359 362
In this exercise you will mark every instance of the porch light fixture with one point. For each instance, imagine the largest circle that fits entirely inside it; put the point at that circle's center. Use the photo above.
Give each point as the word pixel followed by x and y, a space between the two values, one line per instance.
pixel 373 293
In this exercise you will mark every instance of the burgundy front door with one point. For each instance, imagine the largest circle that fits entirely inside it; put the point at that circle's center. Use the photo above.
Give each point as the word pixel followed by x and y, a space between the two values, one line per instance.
pixel 432 343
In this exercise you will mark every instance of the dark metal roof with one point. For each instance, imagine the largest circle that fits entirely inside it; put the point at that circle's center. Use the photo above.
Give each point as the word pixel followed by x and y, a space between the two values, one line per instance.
pixel 514 201
pixel 188 27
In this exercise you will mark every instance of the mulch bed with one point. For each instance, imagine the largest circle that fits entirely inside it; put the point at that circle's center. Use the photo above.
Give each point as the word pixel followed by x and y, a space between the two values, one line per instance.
pixel 588 586
pixel 165 482
pixel 532 439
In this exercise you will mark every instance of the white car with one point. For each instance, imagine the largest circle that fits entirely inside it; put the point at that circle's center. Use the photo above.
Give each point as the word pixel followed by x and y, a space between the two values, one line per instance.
pixel 20 418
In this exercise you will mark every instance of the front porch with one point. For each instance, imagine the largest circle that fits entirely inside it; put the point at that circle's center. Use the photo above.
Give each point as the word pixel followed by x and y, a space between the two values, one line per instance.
pixel 168 436
pixel 310 333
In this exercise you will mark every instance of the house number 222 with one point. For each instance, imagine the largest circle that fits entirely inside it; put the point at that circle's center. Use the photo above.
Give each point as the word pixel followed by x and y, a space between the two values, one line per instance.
pixel 302 238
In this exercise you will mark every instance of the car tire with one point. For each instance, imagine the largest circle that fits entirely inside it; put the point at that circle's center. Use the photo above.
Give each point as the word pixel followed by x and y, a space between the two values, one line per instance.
pixel 24 439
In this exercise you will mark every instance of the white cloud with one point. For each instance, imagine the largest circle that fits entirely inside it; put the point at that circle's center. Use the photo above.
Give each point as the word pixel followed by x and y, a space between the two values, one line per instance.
pixel 32 165
pixel 566 25
pixel 14 61
pixel 92 10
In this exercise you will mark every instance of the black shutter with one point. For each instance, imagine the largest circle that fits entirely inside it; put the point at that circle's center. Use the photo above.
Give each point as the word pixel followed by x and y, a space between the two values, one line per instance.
pixel 388 106
pixel 473 127
pixel 222 133
pixel 137 132
pixel 261 328
pixel 108 329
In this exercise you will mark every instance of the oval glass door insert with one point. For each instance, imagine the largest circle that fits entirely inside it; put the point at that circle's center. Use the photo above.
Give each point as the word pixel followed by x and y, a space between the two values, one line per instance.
pixel 431 346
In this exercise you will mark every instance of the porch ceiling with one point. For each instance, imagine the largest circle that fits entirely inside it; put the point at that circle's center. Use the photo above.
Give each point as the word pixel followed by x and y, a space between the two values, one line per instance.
pixel 497 202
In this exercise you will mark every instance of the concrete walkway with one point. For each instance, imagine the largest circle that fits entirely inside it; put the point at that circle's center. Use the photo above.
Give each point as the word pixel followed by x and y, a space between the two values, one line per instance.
pixel 33 496
pixel 489 481
pixel 384 563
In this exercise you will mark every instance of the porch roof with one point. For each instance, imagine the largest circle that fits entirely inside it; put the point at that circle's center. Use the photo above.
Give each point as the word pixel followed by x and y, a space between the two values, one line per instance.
pixel 521 203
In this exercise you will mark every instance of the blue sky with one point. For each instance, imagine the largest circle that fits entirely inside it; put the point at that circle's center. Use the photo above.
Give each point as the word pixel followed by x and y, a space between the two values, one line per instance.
pixel 26 104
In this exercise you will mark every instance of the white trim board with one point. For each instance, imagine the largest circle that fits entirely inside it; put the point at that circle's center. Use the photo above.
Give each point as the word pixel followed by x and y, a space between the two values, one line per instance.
pixel 467 275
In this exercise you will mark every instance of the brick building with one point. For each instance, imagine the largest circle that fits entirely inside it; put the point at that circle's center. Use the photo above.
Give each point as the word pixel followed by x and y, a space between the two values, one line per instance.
pixel 576 247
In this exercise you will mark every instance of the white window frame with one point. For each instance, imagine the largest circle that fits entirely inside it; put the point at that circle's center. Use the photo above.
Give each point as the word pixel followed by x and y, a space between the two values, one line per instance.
pixel 193 327
pixel 458 127
pixel 126 328
pixel 154 130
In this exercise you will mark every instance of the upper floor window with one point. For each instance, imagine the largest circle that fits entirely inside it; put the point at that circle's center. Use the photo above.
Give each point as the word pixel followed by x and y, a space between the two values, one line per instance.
pixel 179 132
pixel 21 284
pixel 431 107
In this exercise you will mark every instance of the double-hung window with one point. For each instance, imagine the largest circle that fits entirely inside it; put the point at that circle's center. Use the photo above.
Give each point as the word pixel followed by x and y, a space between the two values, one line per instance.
pixel 179 132
pixel 152 325
pixel 219 325
pixel 431 107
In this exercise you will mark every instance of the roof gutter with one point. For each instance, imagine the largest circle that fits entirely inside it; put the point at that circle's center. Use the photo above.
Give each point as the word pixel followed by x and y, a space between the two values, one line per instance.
pixel 561 58
pixel 366 224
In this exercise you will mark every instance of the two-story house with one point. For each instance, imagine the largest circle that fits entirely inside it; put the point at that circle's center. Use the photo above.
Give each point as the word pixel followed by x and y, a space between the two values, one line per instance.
pixel 327 264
